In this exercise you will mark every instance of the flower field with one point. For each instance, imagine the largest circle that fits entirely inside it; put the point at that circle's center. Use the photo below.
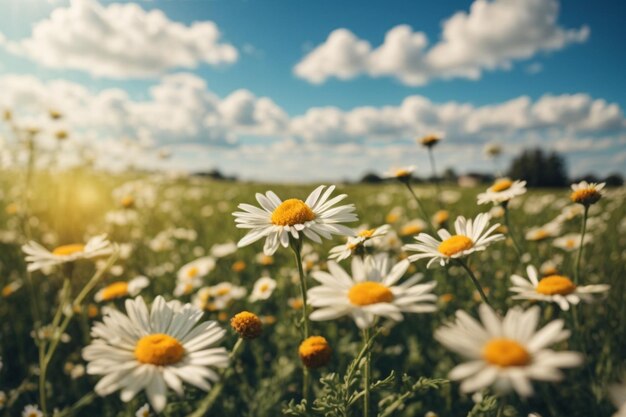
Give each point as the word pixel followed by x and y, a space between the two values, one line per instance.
pixel 127 295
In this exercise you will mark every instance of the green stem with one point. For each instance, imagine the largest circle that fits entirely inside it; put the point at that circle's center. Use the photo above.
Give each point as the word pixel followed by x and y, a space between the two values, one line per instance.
pixel 501 406
pixel 83 401
pixel 431 156
pixel 580 247
pixel 296 246
pixel 366 374
pixel 475 281
pixel 420 206
pixel 209 400
pixel 510 230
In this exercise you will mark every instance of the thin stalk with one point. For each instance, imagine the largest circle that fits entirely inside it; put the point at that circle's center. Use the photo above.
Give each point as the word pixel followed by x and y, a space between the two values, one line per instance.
pixel 510 230
pixel 419 205
pixel 475 281
pixel 296 246
pixel 209 400
pixel 501 406
pixel 366 374
pixel 431 156
pixel 580 247
pixel 82 402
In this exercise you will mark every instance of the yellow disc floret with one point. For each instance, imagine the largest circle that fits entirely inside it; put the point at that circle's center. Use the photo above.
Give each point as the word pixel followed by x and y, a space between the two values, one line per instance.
pixel 501 185
pixel 247 324
pixel 366 233
pixel 159 349
pixel 505 353
pixel 555 284
pixel 115 290
pixel 315 352
pixel 369 292
pixel 291 212
pixel 586 196
pixel 67 250
pixel 455 244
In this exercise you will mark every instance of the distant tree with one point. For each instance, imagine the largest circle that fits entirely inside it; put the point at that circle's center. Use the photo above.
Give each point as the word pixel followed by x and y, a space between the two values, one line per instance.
pixel 371 178
pixel 588 178
pixel 449 175
pixel 614 180
pixel 539 169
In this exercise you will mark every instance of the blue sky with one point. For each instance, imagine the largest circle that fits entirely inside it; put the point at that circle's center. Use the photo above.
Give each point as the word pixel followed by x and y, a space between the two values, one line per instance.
pixel 577 58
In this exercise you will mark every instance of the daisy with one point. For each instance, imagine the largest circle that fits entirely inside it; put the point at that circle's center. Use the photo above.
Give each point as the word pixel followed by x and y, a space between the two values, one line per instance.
pixel 557 289
pixel 587 193
pixel 263 289
pixel 121 289
pixel 277 220
pixel 548 230
pixel 371 291
pixel 218 296
pixel 154 350
pixel 354 244
pixel 502 191
pixel 470 237
pixel 617 393
pixel 221 250
pixel 570 242
pixel 506 353
pixel 144 411
pixel 402 174
pixel 196 269
pixel 429 140
pixel 11 288
pixel 414 227
pixel 32 411
pixel 39 257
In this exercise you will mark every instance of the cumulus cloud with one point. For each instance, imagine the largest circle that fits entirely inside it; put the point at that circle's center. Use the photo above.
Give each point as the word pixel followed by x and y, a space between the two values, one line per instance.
pixel 492 35
pixel 121 41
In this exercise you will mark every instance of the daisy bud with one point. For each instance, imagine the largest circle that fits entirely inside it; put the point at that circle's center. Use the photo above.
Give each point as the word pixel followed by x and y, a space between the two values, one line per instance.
pixel 247 324
pixel 315 352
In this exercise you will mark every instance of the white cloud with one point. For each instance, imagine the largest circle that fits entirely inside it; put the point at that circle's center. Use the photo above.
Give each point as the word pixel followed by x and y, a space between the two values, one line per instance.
pixel 492 35
pixel 121 41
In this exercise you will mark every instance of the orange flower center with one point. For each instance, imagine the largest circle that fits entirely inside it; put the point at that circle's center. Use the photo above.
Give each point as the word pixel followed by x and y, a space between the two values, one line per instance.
pixel 159 349
pixel 292 211
pixel 585 196
pixel 67 250
pixel 501 185
pixel 115 290
pixel 555 284
pixel 455 244
pixel 315 352
pixel 505 353
pixel 441 216
pixel 369 292
pixel 367 233
pixel 192 272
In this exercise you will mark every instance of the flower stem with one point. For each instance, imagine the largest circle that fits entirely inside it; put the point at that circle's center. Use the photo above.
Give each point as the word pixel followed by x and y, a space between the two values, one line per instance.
pixel 209 400
pixel 510 230
pixel 419 206
pixel 475 281
pixel 431 156
pixel 580 247
pixel 366 373
pixel 296 246
pixel 501 406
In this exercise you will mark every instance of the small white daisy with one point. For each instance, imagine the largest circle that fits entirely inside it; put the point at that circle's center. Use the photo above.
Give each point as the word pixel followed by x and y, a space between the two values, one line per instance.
pixel 153 350
pixel 32 411
pixel 196 269
pixel 39 257
pixel 506 353
pixel 221 250
pixel 121 289
pixel 402 174
pixel 557 289
pixel 502 191
pixel 263 289
pixel 571 241
pixel 548 230
pixel 470 237
pixel 218 296
pixel 277 219
pixel 371 291
pixel 587 193
pixel 144 411
pixel 362 239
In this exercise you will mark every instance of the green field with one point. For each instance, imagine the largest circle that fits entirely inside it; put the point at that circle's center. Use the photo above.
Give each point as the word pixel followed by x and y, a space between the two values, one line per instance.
pixel 174 220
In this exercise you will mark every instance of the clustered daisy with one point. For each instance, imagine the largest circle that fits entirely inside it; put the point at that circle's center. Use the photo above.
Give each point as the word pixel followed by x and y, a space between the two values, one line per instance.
pixel 38 257
pixel 502 191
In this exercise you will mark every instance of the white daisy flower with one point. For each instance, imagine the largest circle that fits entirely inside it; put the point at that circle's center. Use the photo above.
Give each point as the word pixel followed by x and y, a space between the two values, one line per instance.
pixel 587 193
pixel 502 191
pixel 196 269
pixel 218 296
pixel 506 353
pixel 277 220
pixel 153 350
pixel 571 241
pixel 370 292
pixel 121 289
pixel 470 237
pixel 362 239
pixel 548 230
pixel 402 173
pixel 32 411
pixel 617 393
pixel 557 289
pixel 263 289
pixel 39 257
pixel 221 250
pixel 144 411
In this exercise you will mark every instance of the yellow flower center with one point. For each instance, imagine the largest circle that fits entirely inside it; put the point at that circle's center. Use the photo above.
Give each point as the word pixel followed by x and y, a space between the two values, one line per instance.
pixel 67 250
pixel 410 229
pixel 369 292
pixel 541 234
pixel 239 266
pixel 115 290
pixel 159 349
pixel 501 185
pixel 429 140
pixel 264 287
pixel 505 353
pixel 585 196
pixel 247 324
pixel 555 284
pixel 127 201
pixel 315 352
pixel 570 243
pixel 455 244
pixel 222 291
pixel 192 272
pixel 292 211
pixel 441 216
pixel 402 173
pixel 367 233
